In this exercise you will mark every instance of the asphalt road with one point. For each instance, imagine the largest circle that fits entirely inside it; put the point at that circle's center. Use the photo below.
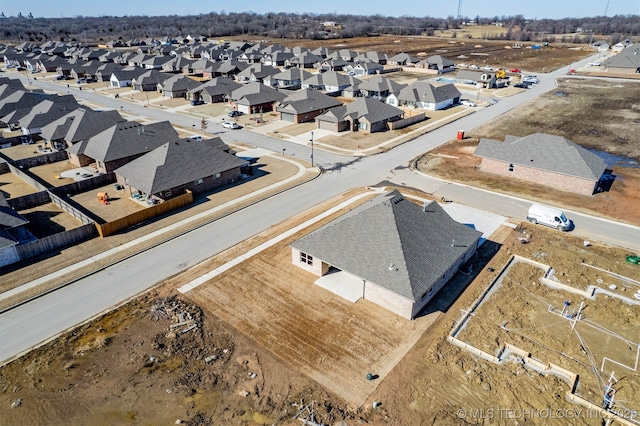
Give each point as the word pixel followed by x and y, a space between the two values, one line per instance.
pixel 31 324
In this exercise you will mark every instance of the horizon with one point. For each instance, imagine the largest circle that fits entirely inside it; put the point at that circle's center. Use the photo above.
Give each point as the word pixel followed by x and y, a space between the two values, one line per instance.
pixel 542 9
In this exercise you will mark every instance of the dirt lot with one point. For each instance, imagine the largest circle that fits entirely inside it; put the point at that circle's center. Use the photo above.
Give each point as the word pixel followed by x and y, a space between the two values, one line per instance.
pixel 604 116
pixel 479 52
pixel 132 367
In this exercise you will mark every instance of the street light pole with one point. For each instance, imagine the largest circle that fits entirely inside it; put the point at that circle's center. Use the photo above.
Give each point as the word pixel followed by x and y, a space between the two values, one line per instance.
pixel 311 149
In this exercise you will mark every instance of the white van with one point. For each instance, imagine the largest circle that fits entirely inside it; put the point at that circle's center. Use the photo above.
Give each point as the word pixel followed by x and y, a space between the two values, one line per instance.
pixel 549 216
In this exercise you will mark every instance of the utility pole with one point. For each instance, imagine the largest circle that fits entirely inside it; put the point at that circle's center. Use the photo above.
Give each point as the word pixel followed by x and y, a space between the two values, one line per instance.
pixel 311 149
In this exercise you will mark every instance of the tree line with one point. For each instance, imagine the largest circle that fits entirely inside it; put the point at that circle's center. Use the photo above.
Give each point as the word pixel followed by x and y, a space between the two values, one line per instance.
pixel 92 30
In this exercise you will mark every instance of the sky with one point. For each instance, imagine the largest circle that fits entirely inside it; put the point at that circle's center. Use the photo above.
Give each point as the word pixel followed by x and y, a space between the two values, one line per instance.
pixel 533 9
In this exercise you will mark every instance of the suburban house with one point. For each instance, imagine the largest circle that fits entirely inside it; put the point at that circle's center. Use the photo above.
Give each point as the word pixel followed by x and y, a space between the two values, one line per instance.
pixel 177 86
pixel 330 82
pixel 544 159
pixel 403 59
pixel 304 105
pixel 337 64
pixel 78 125
pixel 304 60
pixel 120 144
pixel 380 88
pixel 425 95
pixel 183 164
pixel 389 251
pixel 256 72
pixel 277 59
pixel 367 115
pixel 627 61
pixel 255 97
pixel 12 232
pixel 484 79
pixel 290 79
pixel 124 77
pixel 149 80
pixel 364 68
pixel 213 90
pixel 436 63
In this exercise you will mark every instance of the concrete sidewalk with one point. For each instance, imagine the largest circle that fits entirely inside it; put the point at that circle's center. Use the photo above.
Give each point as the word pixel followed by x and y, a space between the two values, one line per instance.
pixel 301 171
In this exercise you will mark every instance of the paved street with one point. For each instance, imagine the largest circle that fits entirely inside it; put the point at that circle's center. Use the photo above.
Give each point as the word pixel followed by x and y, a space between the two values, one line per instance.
pixel 41 319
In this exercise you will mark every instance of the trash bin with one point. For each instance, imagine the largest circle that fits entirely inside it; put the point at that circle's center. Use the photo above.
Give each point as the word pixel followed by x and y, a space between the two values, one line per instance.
pixel 460 135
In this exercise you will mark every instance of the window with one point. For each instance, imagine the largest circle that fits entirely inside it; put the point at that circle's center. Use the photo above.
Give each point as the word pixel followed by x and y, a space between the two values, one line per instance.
pixel 217 175
pixel 306 258
pixel 362 125
pixel 510 167
pixel 167 193
pixel 198 181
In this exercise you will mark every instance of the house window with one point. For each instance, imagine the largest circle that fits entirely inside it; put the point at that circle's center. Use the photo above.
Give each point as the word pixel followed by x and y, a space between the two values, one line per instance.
pixel 167 193
pixel 510 167
pixel 198 182
pixel 306 258
pixel 217 175
pixel 362 125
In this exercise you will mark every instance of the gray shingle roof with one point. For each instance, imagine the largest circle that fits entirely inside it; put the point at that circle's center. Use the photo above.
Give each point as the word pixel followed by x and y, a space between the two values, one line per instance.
pixel 307 100
pixel 127 139
pixel 392 242
pixel 82 123
pixel 546 152
pixel 426 92
pixel 177 163
pixel 629 57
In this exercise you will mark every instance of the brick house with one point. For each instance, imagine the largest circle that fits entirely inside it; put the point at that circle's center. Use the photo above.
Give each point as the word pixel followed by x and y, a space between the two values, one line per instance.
pixel 544 159
pixel 183 164
pixel 389 251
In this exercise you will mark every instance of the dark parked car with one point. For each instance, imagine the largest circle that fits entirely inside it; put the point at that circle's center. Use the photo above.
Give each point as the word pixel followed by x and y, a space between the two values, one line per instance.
pixel 195 102
pixel 522 85
pixel 235 113
pixel 61 77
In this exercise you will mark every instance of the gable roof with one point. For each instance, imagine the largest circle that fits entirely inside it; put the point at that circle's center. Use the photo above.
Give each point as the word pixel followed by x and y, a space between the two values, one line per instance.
pixel 254 88
pixel 179 82
pixel 392 242
pixel 217 86
pixel 126 139
pixel 546 152
pixel 629 57
pixel 423 91
pixel 307 100
pixel 80 124
pixel 381 84
pixel 177 163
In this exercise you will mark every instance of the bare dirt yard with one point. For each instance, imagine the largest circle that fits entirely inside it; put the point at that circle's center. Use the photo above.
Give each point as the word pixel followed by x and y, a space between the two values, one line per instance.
pixel 599 115
pixel 479 52
pixel 259 343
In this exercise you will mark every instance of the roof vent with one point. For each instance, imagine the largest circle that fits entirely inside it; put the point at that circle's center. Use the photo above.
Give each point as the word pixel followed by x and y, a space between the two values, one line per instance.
pixel 392 267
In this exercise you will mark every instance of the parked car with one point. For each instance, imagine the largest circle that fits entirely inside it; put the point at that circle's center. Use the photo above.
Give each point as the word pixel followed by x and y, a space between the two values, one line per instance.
pixel 230 125
pixel 474 67
pixel 516 70
pixel 530 79
pixel 487 68
pixel 549 216
pixel 467 102
pixel 595 64
pixel 462 65
pixel 195 102
pixel 62 77
pixel 522 85
pixel 81 80
pixel 235 113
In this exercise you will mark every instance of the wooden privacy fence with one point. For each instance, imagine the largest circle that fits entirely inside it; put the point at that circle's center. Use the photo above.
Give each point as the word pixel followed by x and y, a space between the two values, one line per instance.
pixel 85 184
pixel 29 200
pixel 56 241
pixel 399 124
pixel 110 228
pixel 65 205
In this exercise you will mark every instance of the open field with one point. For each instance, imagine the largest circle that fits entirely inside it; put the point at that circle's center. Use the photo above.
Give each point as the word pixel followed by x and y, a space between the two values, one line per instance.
pixel 132 367
pixel 614 130
pixel 480 52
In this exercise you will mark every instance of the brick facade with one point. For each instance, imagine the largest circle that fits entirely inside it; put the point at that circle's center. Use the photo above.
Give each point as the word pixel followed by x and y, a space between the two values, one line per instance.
pixel 542 177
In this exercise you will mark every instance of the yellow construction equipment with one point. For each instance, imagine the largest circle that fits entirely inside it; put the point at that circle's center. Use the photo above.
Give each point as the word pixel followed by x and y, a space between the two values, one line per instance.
pixel 500 73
